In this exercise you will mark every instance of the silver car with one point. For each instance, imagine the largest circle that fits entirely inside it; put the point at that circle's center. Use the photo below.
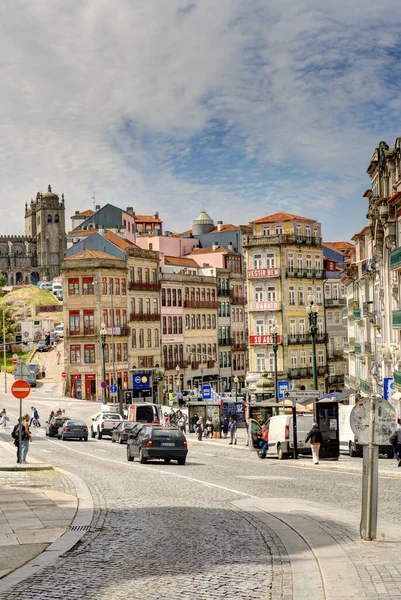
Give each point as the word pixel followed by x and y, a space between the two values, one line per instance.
pixel 73 429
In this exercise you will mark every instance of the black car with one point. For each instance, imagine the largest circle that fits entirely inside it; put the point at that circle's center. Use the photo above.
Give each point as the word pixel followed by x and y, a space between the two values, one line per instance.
pixel 42 346
pixel 73 429
pixel 54 424
pixel 120 433
pixel 164 443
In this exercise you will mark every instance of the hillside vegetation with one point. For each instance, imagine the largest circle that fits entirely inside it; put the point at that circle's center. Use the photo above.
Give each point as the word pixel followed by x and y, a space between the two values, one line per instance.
pixel 23 300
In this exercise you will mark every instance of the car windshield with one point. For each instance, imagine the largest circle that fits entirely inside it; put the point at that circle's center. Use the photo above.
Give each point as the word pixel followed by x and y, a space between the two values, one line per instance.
pixel 129 424
pixel 60 421
pixel 166 433
pixel 110 416
pixel 75 423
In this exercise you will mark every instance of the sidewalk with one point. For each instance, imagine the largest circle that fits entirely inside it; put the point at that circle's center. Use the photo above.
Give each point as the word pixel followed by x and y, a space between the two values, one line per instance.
pixel 318 552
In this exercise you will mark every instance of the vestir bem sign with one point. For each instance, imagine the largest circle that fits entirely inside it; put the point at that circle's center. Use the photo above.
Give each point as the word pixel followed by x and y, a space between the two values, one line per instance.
pixel 255 273
pixel 263 339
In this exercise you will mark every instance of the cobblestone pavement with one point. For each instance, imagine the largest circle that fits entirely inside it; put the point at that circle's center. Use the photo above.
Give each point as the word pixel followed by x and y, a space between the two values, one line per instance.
pixel 171 532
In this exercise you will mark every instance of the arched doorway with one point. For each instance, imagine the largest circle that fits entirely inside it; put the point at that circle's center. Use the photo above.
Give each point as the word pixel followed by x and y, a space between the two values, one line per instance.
pixel 34 278
pixel 19 278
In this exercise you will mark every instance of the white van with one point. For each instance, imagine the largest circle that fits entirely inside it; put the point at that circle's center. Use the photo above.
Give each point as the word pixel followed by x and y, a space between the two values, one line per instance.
pixel 349 443
pixel 281 440
pixel 47 285
pixel 59 330
pixel 57 287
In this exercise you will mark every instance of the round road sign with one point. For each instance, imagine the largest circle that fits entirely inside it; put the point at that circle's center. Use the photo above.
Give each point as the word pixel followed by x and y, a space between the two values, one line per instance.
pixel 103 385
pixel 113 389
pixel 15 359
pixel 20 389
pixel 63 374
pixel 384 417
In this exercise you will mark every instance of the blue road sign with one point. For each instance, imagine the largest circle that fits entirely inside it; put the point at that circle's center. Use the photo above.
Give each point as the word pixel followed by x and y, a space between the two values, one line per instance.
pixel 103 384
pixel 282 387
pixel 141 381
pixel 113 389
pixel 388 388
pixel 206 392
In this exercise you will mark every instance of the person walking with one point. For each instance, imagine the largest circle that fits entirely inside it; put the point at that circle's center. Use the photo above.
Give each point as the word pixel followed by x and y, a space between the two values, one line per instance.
pixel 58 356
pixel 209 427
pixel 199 429
pixel 224 427
pixel 43 372
pixel 3 418
pixel 32 416
pixel 36 422
pixel 26 438
pixel 316 439
pixel 395 440
pixel 232 426
pixel 264 441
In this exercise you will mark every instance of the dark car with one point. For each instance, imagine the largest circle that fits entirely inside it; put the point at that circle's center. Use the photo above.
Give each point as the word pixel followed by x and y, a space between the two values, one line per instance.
pixel 31 379
pixel 42 346
pixel 164 443
pixel 73 429
pixel 54 425
pixel 120 433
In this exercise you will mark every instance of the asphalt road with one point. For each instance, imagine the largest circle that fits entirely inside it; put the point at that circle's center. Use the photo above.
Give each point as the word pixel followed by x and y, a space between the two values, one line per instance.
pixel 169 531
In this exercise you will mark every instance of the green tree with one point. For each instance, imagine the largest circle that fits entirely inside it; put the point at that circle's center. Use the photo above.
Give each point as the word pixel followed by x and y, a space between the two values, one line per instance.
pixel 3 280
pixel 9 323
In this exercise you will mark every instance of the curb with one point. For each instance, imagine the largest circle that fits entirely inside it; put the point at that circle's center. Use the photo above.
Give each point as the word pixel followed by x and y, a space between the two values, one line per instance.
pixel 78 528
pixel 28 468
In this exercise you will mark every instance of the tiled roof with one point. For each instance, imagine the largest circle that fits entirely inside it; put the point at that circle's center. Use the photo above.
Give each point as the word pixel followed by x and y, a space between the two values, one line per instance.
pixel 367 194
pixel 360 232
pixel 147 219
pixel 84 213
pixel 211 251
pixel 283 216
pixel 394 197
pixel 339 246
pixel 180 261
pixel 82 231
pixel 225 227
pixel 92 254
pixel 118 241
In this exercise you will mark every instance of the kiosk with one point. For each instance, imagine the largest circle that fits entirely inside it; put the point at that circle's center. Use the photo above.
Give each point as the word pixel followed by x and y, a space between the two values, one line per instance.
pixel 326 412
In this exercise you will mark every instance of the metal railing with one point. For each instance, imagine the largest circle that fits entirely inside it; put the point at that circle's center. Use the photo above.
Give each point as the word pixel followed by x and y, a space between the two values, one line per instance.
pixel 151 286
pixel 306 273
pixel 237 300
pixel 225 342
pixel 201 304
pixel 144 317
pixel 297 240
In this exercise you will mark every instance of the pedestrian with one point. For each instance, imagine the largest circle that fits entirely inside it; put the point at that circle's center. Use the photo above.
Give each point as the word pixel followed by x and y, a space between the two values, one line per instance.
pixel 32 416
pixel 179 398
pixel 247 433
pixel 232 426
pixel 171 399
pixel 58 356
pixel 209 427
pixel 224 427
pixel 316 439
pixel 51 416
pixel 36 421
pixel 199 429
pixel 182 423
pixel 264 441
pixel 43 372
pixel 22 450
pixel 395 440
pixel 166 420
pixel 3 418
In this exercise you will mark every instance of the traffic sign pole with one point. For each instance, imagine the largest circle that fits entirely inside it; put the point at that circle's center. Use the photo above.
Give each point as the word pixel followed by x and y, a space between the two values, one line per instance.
pixel 370 480
pixel 20 389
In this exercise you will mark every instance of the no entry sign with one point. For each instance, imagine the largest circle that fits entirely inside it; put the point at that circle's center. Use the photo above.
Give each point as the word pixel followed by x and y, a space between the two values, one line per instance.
pixel 63 374
pixel 20 389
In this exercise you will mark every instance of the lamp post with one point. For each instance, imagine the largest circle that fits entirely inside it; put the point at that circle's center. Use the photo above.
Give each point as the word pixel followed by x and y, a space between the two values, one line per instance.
pixel 236 380
pixel 312 310
pixel 103 342
pixel 177 381
pixel 4 351
pixel 274 334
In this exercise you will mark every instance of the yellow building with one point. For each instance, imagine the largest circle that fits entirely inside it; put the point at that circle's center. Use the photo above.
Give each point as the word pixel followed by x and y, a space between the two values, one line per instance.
pixel 285 267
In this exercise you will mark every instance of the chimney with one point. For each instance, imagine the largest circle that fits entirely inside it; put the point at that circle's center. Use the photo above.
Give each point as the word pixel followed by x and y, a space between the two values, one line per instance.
pixel 97 207
pixel 219 225
pixel 157 214
pixel 77 212
pixel 130 210
pixel 215 246
pixel 230 246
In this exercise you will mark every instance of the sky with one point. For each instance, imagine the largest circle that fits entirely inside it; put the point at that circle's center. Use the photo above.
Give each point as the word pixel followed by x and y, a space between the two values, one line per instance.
pixel 246 107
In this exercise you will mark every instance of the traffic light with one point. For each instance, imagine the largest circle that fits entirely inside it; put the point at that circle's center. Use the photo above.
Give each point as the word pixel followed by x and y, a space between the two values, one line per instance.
pixel 47 338
pixel 128 397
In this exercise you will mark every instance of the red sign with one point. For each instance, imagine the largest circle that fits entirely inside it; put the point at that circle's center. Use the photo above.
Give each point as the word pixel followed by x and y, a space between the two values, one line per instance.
pixel 15 361
pixel 20 389
pixel 63 374
pixel 258 273
pixel 263 339
pixel 331 265
pixel 270 305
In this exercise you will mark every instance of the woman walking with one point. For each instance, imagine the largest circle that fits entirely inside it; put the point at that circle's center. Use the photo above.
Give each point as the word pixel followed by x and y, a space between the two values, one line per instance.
pixel 316 439
pixel 26 438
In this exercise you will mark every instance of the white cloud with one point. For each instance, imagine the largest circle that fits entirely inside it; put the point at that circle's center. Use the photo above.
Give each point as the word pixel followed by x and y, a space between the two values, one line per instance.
pixel 112 97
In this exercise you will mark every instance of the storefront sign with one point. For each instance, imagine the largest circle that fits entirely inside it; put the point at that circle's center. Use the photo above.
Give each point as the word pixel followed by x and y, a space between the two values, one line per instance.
pixel 263 339
pixel 263 273
pixel 271 305
pixel 141 381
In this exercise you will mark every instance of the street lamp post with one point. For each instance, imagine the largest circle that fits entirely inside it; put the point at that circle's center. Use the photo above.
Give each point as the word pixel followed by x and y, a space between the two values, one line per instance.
pixel 177 381
pixel 274 334
pixel 103 342
pixel 236 380
pixel 312 310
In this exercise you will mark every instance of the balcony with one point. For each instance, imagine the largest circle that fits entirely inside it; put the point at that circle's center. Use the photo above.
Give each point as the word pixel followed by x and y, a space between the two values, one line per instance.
pixel 336 379
pixel 74 332
pixel 358 348
pixel 237 300
pixel 357 314
pixel 201 303
pixel 334 301
pixel 153 286
pixel 171 365
pixel 225 342
pixel 365 386
pixel 223 291
pixel 281 239
pixel 239 347
pixel 306 338
pixel 368 348
pixel 396 318
pixel 346 347
pixel 299 373
pixel 144 317
pixel 375 319
pixel 395 259
pixel 322 338
pixel 306 274
pixel 397 378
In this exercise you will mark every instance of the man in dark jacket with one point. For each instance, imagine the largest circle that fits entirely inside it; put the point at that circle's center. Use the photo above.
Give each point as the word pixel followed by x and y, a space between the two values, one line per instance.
pixel 316 439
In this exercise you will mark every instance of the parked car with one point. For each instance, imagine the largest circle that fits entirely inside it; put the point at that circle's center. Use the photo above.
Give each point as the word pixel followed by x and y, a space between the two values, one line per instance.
pixel 59 295
pixel 104 423
pixel 59 330
pixel 47 285
pixel 33 367
pixel 42 346
pixel 73 429
pixel 120 433
pixel 54 425
pixel 164 443
pixel 31 379
pixel 56 287
pixel 281 440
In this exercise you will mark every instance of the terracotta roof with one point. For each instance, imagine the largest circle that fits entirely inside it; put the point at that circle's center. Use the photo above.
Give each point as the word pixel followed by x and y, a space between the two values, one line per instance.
pixel 211 251
pixel 180 261
pixel 360 232
pixel 91 254
pixel 339 246
pixel 146 219
pixel 118 241
pixel 84 213
pixel 283 216
pixel 394 197
pixel 227 227
pixel 367 194
pixel 82 231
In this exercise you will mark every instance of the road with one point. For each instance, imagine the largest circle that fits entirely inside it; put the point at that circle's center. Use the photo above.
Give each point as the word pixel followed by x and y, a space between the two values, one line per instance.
pixel 169 531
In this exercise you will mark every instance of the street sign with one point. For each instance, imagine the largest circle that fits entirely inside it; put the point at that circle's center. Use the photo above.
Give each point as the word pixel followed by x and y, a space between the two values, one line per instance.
pixel 21 370
pixel 113 389
pixel 282 386
pixel 15 359
pixel 20 389
pixel 63 374
pixel 384 417
pixel 302 394
pixel 388 387
pixel 103 385
pixel 206 392
pixel 141 381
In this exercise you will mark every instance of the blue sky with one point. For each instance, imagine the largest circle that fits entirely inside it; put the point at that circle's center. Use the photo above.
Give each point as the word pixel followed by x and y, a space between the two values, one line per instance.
pixel 249 108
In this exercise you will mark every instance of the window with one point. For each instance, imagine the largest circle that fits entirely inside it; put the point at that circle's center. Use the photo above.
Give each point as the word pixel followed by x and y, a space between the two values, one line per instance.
pixel 319 324
pixel 75 354
pixel 319 296
pixel 168 297
pixel 291 296
pixel 117 286
pixel 335 291
pixel 300 262
pixel 119 353
pixel 260 327
pixel 279 229
pixel 266 230
pixel 175 326
pixel 141 338
pixel 104 286
pixel 117 322
pixel 133 338
pixel 260 363
pixel 56 219
pixel 89 353
pixel 89 322
pixel 149 338
pixel 329 316
pixel 257 261
pixel 302 361
pixel 293 328
pixel 174 297
pixel 49 218
pixel 309 263
pixel 163 296
pixel 294 360
pixel 301 325
pixel 290 263
pixel 337 317
pixel 123 286
pixel 307 232
pixel 75 325
pixel 299 231
pixel 301 299
pixel 327 290
pixel 213 321
pixel 320 358
pixel 271 293
pixel 270 260
pixel 318 262
pixel 140 306
pixel 147 305
pixel 73 287
pixel 125 351
pixel 157 340
pixel 164 324
pixel 169 325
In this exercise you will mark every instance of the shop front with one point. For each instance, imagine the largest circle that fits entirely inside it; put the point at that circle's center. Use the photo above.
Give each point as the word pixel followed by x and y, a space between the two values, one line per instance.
pixel 90 386
pixel 76 386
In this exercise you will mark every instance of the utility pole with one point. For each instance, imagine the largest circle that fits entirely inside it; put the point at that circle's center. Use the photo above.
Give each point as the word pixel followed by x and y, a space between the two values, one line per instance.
pixel 370 479
pixel 4 352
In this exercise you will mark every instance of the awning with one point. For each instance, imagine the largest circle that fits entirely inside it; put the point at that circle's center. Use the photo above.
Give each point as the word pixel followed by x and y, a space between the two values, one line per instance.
pixel 396 396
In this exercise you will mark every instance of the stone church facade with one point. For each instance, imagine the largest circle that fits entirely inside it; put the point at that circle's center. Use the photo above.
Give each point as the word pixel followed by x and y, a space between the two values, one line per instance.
pixel 38 254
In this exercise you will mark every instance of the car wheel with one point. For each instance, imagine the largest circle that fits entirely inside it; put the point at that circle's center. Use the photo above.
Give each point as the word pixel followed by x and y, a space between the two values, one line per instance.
pixel 120 441
pixel 181 461
pixel 280 453
pixel 99 435
pixel 113 439
pixel 58 437
pixel 167 460
pixel 93 434
pixel 142 459
pixel 47 434
pixel 351 450
pixel 129 457
pixel 62 438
